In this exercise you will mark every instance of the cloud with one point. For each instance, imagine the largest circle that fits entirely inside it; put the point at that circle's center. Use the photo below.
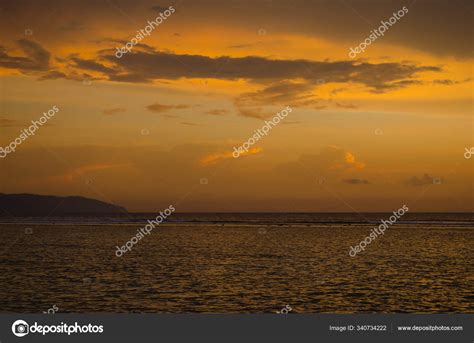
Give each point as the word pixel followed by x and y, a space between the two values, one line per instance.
pixel 383 88
pixel 422 181
pixel 346 105
pixel 169 116
pixel 256 112
pixel 92 65
pixel 219 156
pixel 159 8
pixel 121 42
pixel 217 112
pixel 356 181
pixel 278 93
pixel 379 78
pixel 290 122
pixel 240 46
pixel 85 169
pixel 37 57
pixel 111 111
pixel 447 82
pixel 351 160
pixel 284 81
pixel 444 82
pixel 52 75
pixel 160 108
pixel 188 123
pixel 141 66
pixel 444 29
pixel 331 162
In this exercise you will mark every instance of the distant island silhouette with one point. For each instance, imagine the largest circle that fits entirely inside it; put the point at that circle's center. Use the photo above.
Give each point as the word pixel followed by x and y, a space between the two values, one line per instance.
pixel 48 205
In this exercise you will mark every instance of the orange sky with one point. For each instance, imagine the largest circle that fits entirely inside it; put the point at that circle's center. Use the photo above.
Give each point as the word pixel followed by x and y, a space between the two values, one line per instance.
pixel 157 126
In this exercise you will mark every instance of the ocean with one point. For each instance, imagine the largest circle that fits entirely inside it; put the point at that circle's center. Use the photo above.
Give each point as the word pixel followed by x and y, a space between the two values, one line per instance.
pixel 238 263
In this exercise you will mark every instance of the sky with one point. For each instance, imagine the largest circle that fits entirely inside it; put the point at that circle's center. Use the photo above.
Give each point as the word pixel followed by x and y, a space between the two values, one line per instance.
pixel 157 126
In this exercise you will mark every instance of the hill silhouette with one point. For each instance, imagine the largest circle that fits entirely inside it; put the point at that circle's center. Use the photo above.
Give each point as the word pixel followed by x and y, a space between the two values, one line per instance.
pixel 48 205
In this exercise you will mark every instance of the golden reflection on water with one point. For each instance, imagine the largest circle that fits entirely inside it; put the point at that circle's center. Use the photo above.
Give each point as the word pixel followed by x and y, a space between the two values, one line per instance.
pixel 238 269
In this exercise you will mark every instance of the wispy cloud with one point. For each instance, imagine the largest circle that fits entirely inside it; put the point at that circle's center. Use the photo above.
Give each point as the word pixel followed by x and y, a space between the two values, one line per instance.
pixel 217 112
pixel 356 181
pixel 426 179
pixel 36 59
pixel 188 123
pixel 219 156
pixel 160 108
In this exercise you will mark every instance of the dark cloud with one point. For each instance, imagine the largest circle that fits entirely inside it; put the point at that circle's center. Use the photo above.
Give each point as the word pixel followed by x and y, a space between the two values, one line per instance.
pixel 133 78
pixel 160 108
pixel 450 82
pixel 435 27
pixel 356 181
pixel 423 181
pixel 397 85
pixel 71 75
pixel 278 93
pixel 217 112
pixel 52 75
pixel 159 8
pixel 36 59
pixel 141 66
pixel 169 116
pixel 91 65
pixel 120 43
pixel 444 82
pixel 144 64
pixel 240 46
pixel 346 105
